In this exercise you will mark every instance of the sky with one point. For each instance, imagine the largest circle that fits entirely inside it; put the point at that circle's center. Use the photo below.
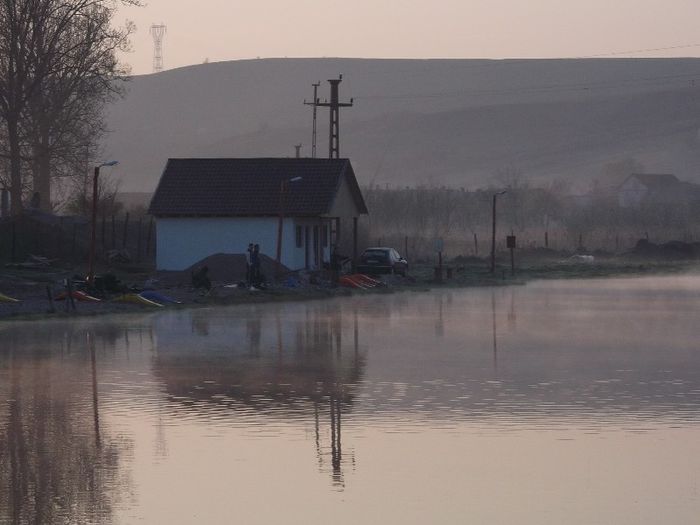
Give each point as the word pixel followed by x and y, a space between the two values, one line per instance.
pixel 220 30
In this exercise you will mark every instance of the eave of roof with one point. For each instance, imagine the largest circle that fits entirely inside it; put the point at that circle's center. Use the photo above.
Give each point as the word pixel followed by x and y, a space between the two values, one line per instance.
pixel 251 187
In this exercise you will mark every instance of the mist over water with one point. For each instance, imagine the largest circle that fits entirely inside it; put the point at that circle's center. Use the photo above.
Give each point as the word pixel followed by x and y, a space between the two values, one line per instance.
pixel 555 402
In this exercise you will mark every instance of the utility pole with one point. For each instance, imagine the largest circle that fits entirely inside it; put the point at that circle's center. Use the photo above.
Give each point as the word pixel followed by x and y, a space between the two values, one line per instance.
pixel 334 105
pixel 297 147
pixel 493 231
pixel 313 129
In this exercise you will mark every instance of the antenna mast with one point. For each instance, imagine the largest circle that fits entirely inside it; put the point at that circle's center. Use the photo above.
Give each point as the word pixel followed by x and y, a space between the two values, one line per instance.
pixel 158 32
pixel 313 131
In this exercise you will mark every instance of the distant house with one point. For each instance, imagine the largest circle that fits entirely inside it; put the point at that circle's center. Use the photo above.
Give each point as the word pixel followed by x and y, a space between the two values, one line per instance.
pixel 640 188
pixel 208 206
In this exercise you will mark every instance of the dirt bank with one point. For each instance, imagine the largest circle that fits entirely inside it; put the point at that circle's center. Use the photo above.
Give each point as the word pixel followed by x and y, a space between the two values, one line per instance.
pixel 31 287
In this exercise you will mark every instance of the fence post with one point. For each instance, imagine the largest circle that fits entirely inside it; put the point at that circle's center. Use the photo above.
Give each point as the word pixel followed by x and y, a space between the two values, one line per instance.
pixel 58 233
pixel 49 295
pixel 149 236
pixel 13 256
pixel 126 230
pixel 75 233
pixel 104 242
pixel 138 241
pixel 58 238
pixel 70 298
pixel 114 233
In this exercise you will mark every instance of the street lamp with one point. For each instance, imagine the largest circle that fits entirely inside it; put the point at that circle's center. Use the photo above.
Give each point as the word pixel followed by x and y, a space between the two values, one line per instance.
pixel 93 233
pixel 493 231
pixel 283 190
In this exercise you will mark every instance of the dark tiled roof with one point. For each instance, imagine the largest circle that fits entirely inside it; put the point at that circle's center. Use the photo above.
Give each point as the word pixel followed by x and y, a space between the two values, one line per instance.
pixel 251 187
pixel 656 181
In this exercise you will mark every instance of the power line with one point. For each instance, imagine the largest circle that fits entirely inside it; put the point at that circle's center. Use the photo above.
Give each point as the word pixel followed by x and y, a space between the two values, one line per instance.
pixel 545 88
pixel 488 63
pixel 637 51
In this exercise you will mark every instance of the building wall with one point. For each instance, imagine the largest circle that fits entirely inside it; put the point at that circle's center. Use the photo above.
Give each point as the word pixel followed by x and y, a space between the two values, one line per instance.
pixel 632 193
pixel 344 206
pixel 307 239
pixel 181 242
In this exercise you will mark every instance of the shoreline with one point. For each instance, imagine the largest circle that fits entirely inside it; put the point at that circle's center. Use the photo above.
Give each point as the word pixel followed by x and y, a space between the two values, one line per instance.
pixel 34 303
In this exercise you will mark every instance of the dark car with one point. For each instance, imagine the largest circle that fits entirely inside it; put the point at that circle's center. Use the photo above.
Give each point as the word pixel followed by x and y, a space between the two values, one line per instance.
pixel 382 260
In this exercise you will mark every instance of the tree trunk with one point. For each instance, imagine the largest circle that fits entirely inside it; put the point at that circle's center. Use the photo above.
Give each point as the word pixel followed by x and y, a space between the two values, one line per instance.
pixel 15 167
pixel 41 176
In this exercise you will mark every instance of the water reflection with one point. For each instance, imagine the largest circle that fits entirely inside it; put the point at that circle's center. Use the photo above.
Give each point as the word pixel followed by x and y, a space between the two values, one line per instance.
pixel 448 397
pixel 535 354
pixel 55 465
pixel 263 361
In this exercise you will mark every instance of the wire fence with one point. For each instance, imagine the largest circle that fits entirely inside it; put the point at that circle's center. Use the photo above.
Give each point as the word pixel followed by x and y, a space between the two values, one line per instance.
pixel 422 247
pixel 121 237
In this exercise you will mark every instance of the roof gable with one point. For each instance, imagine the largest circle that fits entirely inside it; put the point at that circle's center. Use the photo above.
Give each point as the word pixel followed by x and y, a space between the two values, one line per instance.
pixel 655 181
pixel 251 187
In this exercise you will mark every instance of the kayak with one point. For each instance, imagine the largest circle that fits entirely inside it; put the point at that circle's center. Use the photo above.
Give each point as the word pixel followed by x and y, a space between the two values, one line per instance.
pixel 135 299
pixel 7 299
pixel 78 296
pixel 158 297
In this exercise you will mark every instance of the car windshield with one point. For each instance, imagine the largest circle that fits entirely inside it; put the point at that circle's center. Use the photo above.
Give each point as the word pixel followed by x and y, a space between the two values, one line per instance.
pixel 380 254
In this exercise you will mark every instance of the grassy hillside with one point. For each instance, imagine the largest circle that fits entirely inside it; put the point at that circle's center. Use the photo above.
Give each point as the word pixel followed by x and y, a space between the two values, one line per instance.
pixel 452 122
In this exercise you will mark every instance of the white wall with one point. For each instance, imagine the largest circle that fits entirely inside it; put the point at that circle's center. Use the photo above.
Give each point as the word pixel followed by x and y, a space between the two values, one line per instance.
pixel 298 255
pixel 631 193
pixel 181 242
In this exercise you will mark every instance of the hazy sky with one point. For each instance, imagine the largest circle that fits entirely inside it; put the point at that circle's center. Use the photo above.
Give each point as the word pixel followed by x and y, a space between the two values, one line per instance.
pixel 228 30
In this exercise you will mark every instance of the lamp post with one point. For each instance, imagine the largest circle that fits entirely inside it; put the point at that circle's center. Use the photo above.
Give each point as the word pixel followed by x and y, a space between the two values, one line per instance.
pixel 283 191
pixel 93 232
pixel 493 231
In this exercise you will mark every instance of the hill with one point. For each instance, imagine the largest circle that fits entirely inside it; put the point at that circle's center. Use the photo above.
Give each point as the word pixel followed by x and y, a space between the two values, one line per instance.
pixel 454 122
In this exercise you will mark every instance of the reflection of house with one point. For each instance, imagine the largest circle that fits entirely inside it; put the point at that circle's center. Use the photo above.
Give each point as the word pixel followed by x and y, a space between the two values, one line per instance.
pixel 208 206
pixel 261 361
pixel 652 188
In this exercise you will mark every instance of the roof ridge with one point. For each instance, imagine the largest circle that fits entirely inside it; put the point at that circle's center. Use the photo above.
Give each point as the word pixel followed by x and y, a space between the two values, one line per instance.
pixel 249 186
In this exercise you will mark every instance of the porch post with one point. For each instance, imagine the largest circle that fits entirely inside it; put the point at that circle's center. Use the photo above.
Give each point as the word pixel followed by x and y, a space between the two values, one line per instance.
pixel 354 244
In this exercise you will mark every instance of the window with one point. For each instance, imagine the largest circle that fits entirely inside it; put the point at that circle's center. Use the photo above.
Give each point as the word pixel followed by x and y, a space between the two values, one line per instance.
pixel 300 236
pixel 324 236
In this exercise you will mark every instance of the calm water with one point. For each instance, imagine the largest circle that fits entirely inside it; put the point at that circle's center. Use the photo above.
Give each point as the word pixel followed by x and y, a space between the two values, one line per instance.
pixel 558 402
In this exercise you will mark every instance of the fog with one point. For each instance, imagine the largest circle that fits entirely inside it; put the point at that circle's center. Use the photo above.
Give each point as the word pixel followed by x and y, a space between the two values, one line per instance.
pixel 452 122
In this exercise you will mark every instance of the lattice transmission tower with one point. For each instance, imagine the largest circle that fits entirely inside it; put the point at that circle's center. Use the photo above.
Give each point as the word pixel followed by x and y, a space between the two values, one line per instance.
pixel 158 32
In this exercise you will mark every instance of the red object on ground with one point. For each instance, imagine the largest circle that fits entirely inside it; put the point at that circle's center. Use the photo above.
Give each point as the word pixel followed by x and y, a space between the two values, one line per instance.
pixel 358 280
pixel 78 296
pixel 367 280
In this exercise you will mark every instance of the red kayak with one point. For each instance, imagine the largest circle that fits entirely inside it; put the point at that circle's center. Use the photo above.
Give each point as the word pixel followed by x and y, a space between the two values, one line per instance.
pixel 78 296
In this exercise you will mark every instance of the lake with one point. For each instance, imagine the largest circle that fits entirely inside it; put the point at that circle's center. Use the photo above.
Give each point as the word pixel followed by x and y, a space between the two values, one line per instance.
pixel 572 402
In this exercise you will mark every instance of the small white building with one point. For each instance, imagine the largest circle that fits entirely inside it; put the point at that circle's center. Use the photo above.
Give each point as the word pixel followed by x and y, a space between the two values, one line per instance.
pixel 208 206
pixel 639 188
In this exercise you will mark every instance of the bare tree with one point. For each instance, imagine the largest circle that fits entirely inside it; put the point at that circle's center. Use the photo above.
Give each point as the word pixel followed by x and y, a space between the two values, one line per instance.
pixel 57 68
